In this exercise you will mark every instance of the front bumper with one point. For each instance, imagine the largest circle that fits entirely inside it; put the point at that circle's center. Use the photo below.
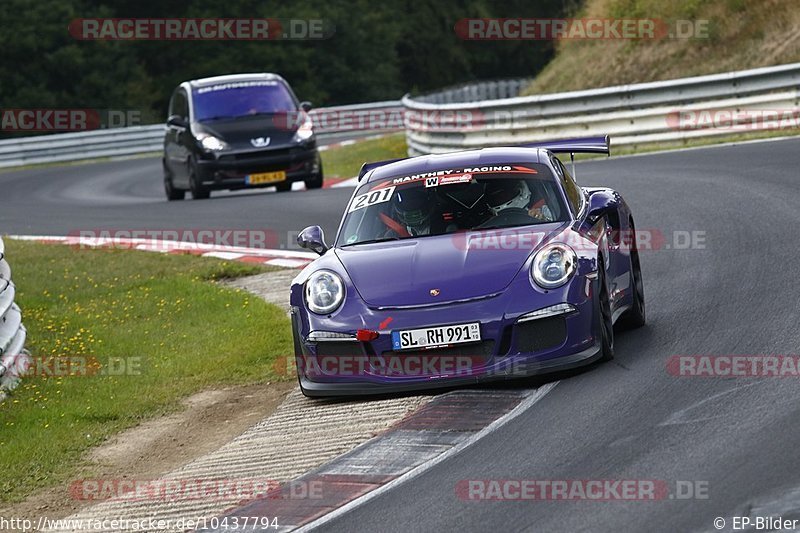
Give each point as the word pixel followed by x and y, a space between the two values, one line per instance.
pixel 228 170
pixel 362 387
pixel 509 348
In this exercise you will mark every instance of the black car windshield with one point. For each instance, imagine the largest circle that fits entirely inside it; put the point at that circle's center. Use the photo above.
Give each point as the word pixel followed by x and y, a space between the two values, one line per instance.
pixel 452 200
pixel 240 99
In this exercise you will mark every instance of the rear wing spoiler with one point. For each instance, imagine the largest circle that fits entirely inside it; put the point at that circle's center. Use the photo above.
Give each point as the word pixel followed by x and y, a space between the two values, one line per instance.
pixel 366 167
pixel 579 145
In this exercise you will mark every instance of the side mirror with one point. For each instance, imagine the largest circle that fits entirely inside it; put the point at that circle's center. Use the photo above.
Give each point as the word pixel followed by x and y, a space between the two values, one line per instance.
pixel 306 106
pixel 177 121
pixel 594 214
pixel 313 238
pixel 599 205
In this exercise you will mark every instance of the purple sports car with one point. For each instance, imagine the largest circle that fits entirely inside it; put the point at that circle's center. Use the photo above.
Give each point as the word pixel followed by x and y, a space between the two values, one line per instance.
pixel 466 267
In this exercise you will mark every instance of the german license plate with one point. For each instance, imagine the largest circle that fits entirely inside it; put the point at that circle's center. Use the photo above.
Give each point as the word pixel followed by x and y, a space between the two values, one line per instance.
pixel 266 177
pixel 415 339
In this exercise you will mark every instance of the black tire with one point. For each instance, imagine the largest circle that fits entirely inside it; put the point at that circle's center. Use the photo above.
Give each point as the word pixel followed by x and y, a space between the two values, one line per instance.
pixel 169 188
pixel 284 187
pixel 316 181
pixel 604 316
pixel 199 192
pixel 636 316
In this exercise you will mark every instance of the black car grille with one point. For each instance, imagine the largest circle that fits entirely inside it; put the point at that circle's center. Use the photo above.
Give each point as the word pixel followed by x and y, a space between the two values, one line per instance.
pixel 437 361
pixel 481 350
pixel 343 348
pixel 505 341
pixel 247 156
pixel 541 334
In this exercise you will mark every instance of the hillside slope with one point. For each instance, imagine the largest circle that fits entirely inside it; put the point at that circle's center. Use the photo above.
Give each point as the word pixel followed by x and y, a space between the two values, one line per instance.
pixel 741 34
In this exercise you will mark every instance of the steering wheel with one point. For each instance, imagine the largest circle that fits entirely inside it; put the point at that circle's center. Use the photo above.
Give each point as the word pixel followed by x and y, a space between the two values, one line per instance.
pixel 513 216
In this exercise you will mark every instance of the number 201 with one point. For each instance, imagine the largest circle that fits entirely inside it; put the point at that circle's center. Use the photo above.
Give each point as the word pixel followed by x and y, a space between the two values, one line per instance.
pixel 371 198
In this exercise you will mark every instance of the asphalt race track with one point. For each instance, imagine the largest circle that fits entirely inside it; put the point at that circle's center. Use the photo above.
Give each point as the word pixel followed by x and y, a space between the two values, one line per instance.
pixel 735 292
pixel 129 194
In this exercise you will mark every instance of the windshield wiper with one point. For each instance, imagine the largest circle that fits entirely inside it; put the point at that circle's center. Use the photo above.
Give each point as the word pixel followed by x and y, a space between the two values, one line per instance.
pixel 218 117
pixel 498 226
pixel 504 226
pixel 373 241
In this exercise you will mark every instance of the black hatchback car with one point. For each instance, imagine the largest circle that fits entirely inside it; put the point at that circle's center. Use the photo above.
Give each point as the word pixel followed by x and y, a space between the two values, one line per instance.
pixel 238 132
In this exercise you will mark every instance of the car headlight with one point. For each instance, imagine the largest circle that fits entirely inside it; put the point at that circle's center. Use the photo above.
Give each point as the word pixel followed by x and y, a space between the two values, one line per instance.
pixel 324 292
pixel 211 143
pixel 553 265
pixel 306 129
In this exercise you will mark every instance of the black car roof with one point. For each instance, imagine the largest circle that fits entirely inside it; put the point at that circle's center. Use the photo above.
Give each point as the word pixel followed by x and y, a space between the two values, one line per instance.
pixel 205 82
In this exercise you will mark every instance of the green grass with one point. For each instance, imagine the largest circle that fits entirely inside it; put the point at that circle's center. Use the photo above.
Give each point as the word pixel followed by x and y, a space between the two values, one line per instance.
pixel 188 333
pixel 346 161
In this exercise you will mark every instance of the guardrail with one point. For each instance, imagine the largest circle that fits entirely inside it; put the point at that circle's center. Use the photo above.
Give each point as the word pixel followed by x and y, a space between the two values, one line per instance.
pixel 374 117
pixel 13 357
pixel 135 140
pixel 472 92
pixel 671 110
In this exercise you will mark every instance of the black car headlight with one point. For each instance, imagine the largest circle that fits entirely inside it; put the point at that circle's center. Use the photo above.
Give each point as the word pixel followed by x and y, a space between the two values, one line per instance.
pixel 211 143
pixel 305 130
pixel 324 292
pixel 553 265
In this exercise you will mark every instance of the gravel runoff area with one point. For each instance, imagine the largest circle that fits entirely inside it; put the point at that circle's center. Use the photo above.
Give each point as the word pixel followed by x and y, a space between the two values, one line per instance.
pixel 299 436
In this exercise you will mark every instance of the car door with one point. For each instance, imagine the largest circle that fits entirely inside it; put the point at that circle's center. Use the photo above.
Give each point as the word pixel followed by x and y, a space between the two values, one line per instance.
pixel 617 272
pixel 176 152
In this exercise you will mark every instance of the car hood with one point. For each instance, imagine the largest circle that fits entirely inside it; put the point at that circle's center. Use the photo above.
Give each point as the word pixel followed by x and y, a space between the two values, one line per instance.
pixel 239 133
pixel 459 266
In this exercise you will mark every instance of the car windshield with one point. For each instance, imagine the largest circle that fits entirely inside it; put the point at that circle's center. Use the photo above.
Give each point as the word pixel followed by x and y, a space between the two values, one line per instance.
pixel 452 200
pixel 240 99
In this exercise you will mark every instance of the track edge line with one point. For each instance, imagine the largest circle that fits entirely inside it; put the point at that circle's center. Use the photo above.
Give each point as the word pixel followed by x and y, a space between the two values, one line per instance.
pixel 523 406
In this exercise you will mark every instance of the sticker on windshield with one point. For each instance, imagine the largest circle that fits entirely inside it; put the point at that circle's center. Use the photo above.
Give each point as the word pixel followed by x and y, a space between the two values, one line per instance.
pixel 448 180
pixel 371 198
pixel 453 175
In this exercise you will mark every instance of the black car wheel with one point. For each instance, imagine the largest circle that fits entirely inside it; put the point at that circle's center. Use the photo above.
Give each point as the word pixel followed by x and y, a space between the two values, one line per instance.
pixel 169 188
pixel 199 192
pixel 606 320
pixel 316 181
pixel 636 316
